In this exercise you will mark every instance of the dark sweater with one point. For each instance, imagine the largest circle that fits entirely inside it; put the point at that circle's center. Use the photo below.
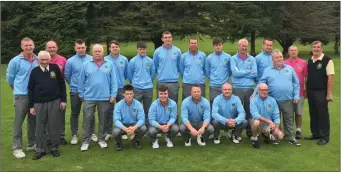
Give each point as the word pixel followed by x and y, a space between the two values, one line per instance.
pixel 317 75
pixel 46 86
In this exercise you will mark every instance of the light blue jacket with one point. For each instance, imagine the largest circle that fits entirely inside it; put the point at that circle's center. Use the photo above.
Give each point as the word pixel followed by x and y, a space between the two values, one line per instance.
pixel 167 63
pixel 18 73
pixel 121 68
pixel 193 113
pixel 224 109
pixel 244 72
pixel 263 61
pixel 267 108
pixel 192 68
pixel 159 114
pixel 125 114
pixel 141 72
pixel 218 69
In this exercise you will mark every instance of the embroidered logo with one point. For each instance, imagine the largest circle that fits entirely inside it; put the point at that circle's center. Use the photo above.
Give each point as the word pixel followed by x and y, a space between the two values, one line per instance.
pixel 286 72
pixel 121 63
pixel 225 61
pixel 174 53
pixel 269 107
pixel 169 109
pixel 106 68
pixel 52 74
pixel 201 107
pixel 233 105
pixel 147 64
pixel 249 61
pixel 61 65
pixel 134 111
pixel 319 66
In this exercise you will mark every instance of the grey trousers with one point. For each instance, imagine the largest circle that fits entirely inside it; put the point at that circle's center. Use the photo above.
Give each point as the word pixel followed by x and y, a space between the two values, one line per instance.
pixel 214 92
pixel 110 117
pixel 62 125
pixel 244 96
pixel 186 133
pixel 48 114
pixel 76 105
pixel 139 132
pixel 237 130
pixel 21 110
pixel 173 130
pixel 186 90
pixel 145 97
pixel 287 111
pixel 89 109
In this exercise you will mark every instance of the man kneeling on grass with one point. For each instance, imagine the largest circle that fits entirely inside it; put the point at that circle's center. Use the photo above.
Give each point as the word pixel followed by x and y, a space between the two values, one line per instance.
pixel 129 118
pixel 162 117
pixel 265 117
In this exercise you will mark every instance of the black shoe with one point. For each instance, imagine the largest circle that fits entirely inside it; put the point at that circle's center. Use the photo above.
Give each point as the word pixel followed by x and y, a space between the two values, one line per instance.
pixel 136 144
pixel 63 141
pixel 249 133
pixel 55 153
pixel 298 135
pixel 119 147
pixel 39 155
pixel 312 137
pixel 255 144
pixel 322 142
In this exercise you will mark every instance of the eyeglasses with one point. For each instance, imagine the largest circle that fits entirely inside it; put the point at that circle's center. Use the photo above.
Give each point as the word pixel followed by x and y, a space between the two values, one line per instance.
pixel 263 90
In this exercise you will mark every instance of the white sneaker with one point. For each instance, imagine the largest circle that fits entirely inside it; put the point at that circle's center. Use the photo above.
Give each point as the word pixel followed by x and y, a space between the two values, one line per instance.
pixel 31 148
pixel 132 137
pixel 211 137
pixel 84 147
pixel 74 140
pixel 217 141
pixel 189 142
pixel 19 153
pixel 159 135
pixel 124 137
pixel 103 144
pixel 169 142
pixel 155 144
pixel 234 139
pixel 239 138
pixel 107 137
pixel 94 138
pixel 200 140
pixel 179 134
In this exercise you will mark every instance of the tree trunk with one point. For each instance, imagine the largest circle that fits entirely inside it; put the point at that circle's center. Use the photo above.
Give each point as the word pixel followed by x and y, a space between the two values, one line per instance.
pixel 336 44
pixel 157 42
pixel 285 45
pixel 108 44
pixel 253 43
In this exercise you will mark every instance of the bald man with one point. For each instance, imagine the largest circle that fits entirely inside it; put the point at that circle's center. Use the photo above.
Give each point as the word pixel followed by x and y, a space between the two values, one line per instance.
pixel 52 48
pixel 265 118
pixel 97 87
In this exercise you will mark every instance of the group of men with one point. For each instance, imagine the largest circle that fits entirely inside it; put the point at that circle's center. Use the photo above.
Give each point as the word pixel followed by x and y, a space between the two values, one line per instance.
pixel 262 88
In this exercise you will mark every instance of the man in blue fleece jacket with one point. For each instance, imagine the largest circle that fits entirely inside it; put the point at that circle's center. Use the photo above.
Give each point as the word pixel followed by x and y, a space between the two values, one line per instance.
pixel 244 73
pixel 141 73
pixel 217 68
pixel 265 117
pixel 162 118
pixel 196 116
pixel 97 87
pixel 284 88
pixel 264 59
pixel 129 119
pixel 228 113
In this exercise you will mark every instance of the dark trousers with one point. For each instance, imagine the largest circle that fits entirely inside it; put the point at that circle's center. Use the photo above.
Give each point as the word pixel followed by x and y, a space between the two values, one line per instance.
pixel 319 115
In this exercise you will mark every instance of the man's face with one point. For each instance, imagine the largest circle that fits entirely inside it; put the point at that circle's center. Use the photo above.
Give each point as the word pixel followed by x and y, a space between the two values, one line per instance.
pixel 267 46
pixel 277 59
pixel 317 49
pixel 218 47
pixel 226 90
pixel 263 91
pixel 293 52
pixel 242 47
pixel 163 96
pixel 114 49
pixel 27 47
pixel 97 52
pixel 44 60
pixel 128 95
pixel 193 44
pixel 167 39
pixel 52 48
pixel 80 49
pixel 196 93
pixel 142 51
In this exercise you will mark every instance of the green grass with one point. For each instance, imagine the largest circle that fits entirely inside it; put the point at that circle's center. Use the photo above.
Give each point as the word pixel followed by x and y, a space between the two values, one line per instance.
pixel 224 157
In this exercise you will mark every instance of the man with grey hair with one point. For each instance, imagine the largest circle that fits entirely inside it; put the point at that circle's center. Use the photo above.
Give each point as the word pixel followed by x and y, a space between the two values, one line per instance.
pixel 17 75
pixel 244 73
pixel 97 87
pixel 301 69
pixel 284 88
pixel 319 93
pixel 46 98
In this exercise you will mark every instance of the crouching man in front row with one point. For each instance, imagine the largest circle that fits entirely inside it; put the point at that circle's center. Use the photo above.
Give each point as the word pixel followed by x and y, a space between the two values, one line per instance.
pixel 129 118
pixel 265 117
pixel 162 117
